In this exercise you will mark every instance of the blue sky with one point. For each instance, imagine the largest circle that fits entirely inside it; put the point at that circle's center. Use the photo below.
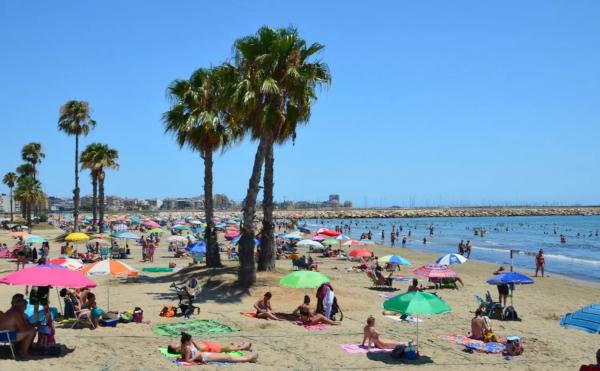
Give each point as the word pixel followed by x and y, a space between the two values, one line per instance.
pixel 438 102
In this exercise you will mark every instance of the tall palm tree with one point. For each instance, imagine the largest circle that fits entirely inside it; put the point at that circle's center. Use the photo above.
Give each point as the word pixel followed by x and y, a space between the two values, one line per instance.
pixel 98 157
pixel 198 119
pixel 25 170
pixel 88 161
pixel 33 154
pixel 276 88
pixel 10 180
pixel 75 119
pixel 29 192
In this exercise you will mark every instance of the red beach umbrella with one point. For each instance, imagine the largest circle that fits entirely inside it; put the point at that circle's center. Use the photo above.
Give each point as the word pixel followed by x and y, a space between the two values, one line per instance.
pixel 435 271
pixel 360 252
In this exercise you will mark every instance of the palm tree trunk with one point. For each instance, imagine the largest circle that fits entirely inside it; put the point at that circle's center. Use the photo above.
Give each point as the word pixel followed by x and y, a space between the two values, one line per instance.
pixel 101 201
pixel 94 200
pixel 76 190
pixel 11 206
pixel 213 258
pixel 247 270
pixel 266 259
pixel 28 208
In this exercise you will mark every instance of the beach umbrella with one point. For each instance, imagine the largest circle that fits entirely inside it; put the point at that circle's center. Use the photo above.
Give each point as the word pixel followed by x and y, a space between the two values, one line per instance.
pixel 22 234
pixel 109 267
pixel 190 236
pixel 585 319
pixel 42 275
pixel 77 237
pixel 328 232
pixel 127 236
pixel 176 239
pixel 343 237
pixel 417 303
pixel 99 241
pixel 198 248
pixel 319 238
pixel 450 259
pixel 303 280
pixel 309 243
pixel 350 243
pixel 231 235
pixel 100 236
pixel 291 236
pixel 435 271
pixel 197 222
pixel 73 264
pixel 510 278
pixel 394 259
pixel 157 230
pixel 304 229
pixel 120 227
pixel 330 241
pixel 151 224
pixel 360 252
pixel 180 227
pixel 34 239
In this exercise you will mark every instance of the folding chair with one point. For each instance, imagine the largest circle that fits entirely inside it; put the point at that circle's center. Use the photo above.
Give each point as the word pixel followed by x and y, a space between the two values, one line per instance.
pixel 8 337
pixel 84 315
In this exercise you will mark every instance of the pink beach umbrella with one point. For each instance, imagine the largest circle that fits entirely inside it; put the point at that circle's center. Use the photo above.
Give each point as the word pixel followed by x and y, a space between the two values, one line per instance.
pixel 435 271
pixel 41 275
pixel 319 238
pixel 231 235
pixel 151 224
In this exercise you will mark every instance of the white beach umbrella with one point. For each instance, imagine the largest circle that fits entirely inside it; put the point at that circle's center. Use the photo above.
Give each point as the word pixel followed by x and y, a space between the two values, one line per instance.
pixel 309 243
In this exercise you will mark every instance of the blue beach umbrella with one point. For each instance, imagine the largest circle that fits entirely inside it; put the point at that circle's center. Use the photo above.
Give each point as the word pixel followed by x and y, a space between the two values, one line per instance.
pixel 126 235
pixel 510 278
pixel 586 319
pixel 236 240
pixel 394 259
pixel 450 259
pixel 198 248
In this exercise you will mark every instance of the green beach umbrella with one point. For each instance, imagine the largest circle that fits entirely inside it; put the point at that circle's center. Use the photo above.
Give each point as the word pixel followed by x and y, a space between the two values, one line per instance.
pixel 180 227
pixel 330 241
pixel 415 303
pixel 303 280
pixel 157 230
pixel 34 239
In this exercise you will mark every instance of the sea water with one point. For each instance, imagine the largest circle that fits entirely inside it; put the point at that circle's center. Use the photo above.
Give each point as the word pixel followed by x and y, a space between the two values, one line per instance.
pixel 578 257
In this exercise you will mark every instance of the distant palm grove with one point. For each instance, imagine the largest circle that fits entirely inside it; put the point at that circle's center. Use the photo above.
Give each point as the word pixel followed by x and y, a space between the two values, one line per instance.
pixel 264 93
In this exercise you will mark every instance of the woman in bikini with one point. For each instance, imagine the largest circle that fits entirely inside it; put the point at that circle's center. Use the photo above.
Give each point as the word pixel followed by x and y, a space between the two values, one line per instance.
pixel 310 318
pixel 263 308
pixel 372 337
pixel 205 352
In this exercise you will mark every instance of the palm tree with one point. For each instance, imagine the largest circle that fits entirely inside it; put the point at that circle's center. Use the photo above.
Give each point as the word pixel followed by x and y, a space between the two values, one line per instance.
pixel 88 161
pixel 198 119
pixel 97 157
pixel 75 120
pixel 29 192
pixel 10 180
pixel 32 154
pixel 276 88
pixel 25 170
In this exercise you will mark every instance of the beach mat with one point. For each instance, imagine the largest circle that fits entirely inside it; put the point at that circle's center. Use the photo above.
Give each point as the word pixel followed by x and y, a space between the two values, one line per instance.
pixel 476 345
pixel 173 357
pixel 248 314
pixel 317 327
pixel 196 327
pixel 357 349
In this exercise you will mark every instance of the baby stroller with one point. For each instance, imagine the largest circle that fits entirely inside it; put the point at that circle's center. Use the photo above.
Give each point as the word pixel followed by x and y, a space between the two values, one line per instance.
pixel 327 303
pixel 186 300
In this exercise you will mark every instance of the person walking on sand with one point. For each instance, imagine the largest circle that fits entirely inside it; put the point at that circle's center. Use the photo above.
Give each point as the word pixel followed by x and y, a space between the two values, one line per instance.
pixel 539 262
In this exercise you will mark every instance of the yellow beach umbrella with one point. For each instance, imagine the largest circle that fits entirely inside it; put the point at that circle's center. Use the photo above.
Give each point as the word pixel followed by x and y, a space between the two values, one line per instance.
pixel 77 237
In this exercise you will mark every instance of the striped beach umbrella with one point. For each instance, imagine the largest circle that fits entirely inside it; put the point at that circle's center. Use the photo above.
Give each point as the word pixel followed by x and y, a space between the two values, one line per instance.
pixel 585 319
pixel 435 271
pixel 109 267
pixel 450 259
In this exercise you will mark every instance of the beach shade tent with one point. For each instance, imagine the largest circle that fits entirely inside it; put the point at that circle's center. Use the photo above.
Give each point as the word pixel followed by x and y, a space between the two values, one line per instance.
pixel 435 271
pixel 328 232
pixel 510 278
pixel 77 237
pixel 303 280
pixel 109 267
pixel 48 275
pixel 585 319
pixel 72 264
pixel 394 259
pixel 350 243
pixel 157 230
pixel 319 238
pixel 417 303
pixel 360 252
pixel 22 234
pixel 198 248
pixel 310 244
pixel 34 239
pixel 450 259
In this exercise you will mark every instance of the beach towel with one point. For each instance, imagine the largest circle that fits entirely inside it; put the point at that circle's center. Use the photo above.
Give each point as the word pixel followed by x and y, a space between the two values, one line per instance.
pixel 173 357
pixel 357 349
pixel 476 345
pixel 196 327
pixel 387 295
pixel 405 319
pixel 401 278
pixel 248 314
pixel 317 327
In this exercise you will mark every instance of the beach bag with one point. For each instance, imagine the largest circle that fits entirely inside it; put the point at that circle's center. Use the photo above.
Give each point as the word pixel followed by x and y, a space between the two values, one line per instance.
pixel 168 311
pixel 489 337
pixel 510 314
pixel 138 315
pixel 514 346
pixel 398 351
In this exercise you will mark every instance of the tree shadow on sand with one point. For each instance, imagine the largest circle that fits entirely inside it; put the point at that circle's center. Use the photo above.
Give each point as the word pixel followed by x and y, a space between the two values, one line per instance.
pixel 386 357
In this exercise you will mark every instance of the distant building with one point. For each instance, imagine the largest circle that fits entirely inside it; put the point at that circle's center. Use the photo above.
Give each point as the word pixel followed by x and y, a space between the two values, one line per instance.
pixel 189 203
pixel 60 203
pixel 5 204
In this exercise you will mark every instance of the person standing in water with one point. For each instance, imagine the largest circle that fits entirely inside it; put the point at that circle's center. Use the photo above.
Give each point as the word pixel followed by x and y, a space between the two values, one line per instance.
pixel 539 262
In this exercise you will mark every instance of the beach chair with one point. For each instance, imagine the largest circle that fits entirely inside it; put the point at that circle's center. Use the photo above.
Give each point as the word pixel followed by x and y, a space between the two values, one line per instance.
pixel 9 337
pixel 378 284
pixel 83 316
pixel 491 309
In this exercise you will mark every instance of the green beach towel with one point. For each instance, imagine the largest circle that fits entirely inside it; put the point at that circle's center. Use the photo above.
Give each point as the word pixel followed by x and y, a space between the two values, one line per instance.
pixel 196 327
pixel 174 356
pixel 157 269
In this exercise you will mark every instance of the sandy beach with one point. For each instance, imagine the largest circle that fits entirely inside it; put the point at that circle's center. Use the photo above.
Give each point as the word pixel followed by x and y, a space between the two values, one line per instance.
pixel 285 345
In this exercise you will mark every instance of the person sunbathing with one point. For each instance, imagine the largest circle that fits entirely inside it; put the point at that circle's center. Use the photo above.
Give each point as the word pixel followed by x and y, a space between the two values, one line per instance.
pixel 191 352
pixel 211 347
pixel 14 321
pixel 372 337
pixel 308 317
pixel 264 310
